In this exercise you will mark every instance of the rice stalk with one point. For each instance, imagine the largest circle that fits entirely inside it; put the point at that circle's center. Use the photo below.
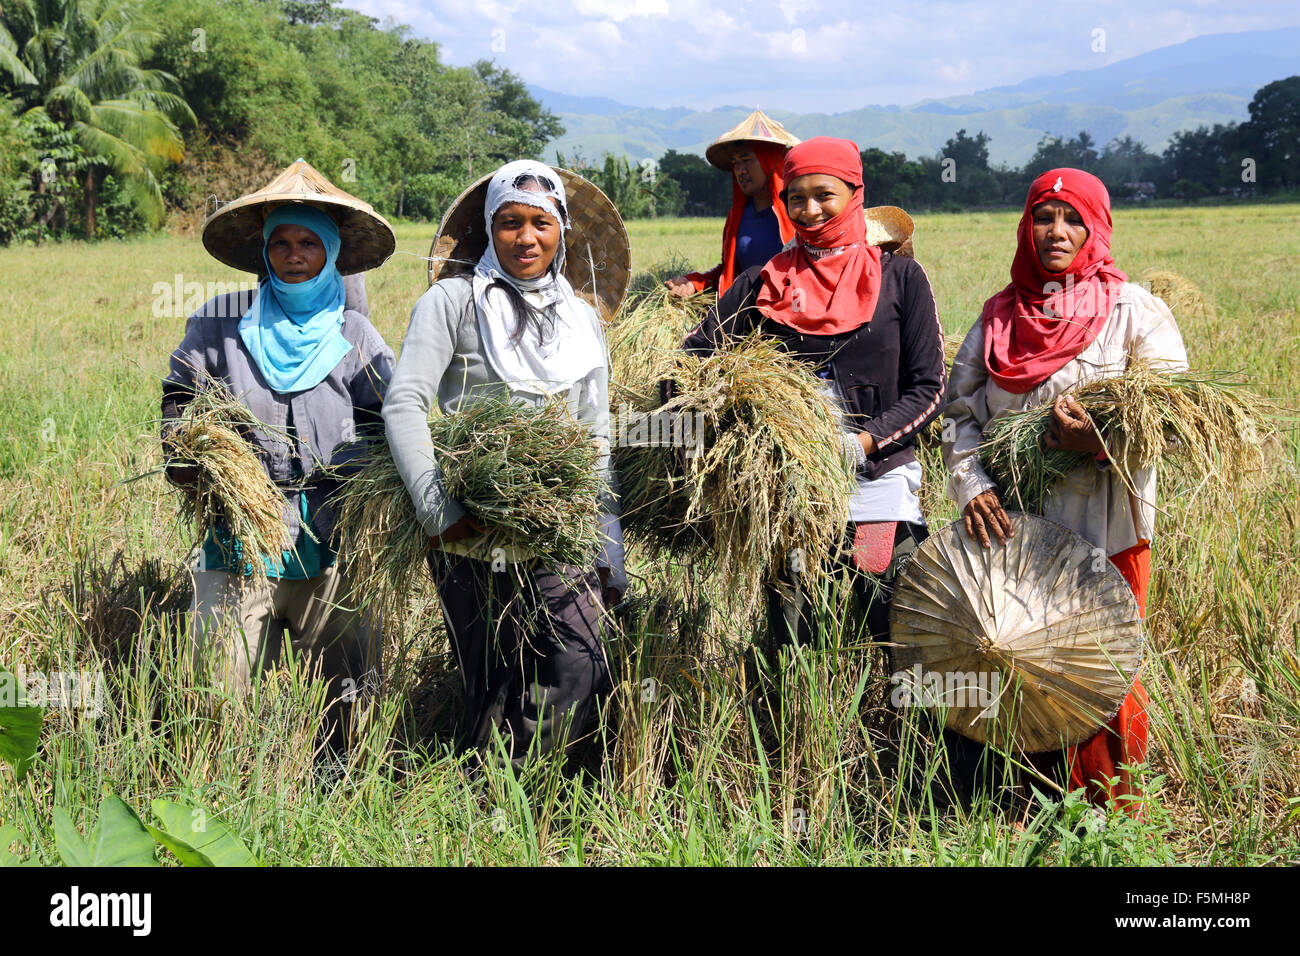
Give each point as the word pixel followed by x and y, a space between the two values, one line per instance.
pixel 1209 429
pixel 233 490
pixel 527 474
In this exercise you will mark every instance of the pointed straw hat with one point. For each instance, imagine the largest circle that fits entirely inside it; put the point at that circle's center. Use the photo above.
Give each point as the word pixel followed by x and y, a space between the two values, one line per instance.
pixel 597 257
pixel 757 127
pixel 891 229
pixel 1043 634
pixel 233 233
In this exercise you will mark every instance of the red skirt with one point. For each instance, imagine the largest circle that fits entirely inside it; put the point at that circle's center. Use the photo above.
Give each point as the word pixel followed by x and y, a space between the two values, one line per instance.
pixel 1097 761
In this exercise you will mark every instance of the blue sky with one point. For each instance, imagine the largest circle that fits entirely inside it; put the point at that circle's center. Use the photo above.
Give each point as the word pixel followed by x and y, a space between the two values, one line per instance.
pixel 807 55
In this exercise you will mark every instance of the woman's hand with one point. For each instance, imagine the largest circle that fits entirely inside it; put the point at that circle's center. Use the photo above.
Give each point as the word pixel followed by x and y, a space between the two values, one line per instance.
pixel 868 443
pixel 680 286
pixel 611 595
pixel 466 527
pixel 1070 428
pixel 984 514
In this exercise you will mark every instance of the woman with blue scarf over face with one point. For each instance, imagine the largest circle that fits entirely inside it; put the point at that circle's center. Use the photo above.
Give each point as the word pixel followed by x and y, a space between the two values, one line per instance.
pixel 314 371
pixel 526 637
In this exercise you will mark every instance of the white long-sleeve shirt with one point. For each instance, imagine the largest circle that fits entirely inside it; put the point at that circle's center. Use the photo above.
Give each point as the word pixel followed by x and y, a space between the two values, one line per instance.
pixel 1092 500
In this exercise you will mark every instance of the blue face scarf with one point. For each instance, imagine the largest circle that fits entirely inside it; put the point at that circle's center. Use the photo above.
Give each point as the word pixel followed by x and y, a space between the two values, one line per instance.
pixel 294 330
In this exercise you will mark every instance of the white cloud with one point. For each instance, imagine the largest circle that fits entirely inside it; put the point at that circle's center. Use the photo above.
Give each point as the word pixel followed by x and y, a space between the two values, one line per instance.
pixel 618 10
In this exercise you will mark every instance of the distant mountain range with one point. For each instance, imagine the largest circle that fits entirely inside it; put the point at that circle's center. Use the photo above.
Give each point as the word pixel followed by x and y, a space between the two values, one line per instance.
pixel 1210 79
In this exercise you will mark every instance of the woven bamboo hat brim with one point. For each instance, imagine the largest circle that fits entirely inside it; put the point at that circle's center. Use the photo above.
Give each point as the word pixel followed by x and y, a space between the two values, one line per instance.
pixel 233 234
pixel 597 257
pixel 1046 614
pixel 891 229
pixel 757 127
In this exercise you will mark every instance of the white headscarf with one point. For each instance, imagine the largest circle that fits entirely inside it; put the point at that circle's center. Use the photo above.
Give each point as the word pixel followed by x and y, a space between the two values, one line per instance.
pixel 574 346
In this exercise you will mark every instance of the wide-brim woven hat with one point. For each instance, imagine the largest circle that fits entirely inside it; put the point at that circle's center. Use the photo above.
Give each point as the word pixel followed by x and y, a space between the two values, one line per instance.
pixel 890 228
pixel 1033 644
pixel 757 127
pixel 233 233
pixel 597 257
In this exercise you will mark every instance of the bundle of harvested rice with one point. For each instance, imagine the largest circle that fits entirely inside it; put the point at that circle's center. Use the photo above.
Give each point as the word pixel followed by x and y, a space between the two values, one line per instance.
pixel 1210 430
pixel 650 325
pixel 233 490
pixel 526 473
pixel 758 481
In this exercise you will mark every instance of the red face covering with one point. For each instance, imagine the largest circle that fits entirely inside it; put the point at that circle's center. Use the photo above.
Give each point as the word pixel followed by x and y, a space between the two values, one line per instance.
pixel 1042 320
pixel 827 294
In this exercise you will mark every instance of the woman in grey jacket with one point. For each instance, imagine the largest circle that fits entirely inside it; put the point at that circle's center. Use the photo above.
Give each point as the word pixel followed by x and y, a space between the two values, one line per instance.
pixel 526 636
pixel 311 367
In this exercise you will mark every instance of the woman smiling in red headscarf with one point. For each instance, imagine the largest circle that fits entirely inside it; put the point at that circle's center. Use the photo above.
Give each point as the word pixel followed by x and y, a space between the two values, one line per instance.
pixel 865 320
pixel 1068 314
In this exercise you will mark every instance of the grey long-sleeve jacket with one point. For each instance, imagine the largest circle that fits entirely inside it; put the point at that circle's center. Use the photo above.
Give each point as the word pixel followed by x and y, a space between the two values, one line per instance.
pixel 443 360
pixel 327 419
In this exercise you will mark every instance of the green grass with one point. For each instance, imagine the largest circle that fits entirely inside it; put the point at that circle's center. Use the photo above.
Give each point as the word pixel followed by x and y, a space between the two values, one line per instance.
pixel 714 756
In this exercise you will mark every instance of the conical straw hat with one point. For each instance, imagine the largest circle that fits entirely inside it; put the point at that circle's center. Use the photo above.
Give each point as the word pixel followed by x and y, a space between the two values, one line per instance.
pixel 891 229
pixel 757 127
pixel 597 257
pixel 233 234
pixel 1046 613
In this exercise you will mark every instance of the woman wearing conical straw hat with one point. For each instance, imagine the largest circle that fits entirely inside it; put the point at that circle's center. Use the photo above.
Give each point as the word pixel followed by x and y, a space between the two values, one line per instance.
pixel 1068 313
pixel 757 225
pixel 526 636
pixel 865 320
pixel 314 371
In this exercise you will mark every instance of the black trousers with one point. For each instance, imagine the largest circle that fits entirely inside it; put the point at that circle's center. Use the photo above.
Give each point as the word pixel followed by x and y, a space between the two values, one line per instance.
pixel 791 610
pixel 528 643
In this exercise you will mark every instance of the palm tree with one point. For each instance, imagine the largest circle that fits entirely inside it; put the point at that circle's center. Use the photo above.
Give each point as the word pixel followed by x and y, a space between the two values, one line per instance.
pixel 78 63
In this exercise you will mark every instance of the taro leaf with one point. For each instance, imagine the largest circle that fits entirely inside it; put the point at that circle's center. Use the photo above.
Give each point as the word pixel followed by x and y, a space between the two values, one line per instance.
pixel 197 841
pixel 20 726
pixel 119 839
pixel 10 835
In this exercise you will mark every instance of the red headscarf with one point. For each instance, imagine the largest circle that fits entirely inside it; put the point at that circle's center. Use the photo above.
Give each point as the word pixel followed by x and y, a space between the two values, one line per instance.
pixel 770 157
pixel 1042 320
pixel 830 294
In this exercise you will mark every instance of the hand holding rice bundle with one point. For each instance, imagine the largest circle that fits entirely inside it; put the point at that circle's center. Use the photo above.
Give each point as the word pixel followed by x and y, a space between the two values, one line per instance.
pixel 647 329
pixel 526 475
pixel 226 492
pixel 751 472
pixel 1207 428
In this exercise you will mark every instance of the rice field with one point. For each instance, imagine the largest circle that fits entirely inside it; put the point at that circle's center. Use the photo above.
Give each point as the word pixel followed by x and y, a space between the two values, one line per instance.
pixel 714 753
